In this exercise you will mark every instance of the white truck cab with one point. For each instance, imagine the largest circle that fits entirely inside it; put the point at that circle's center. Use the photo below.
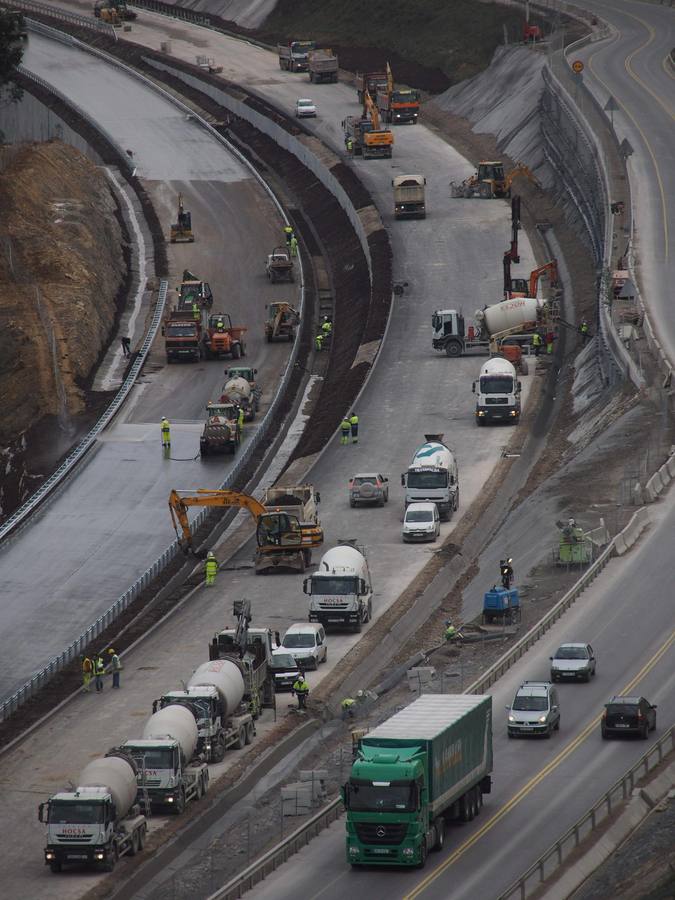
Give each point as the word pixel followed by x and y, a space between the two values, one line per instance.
pixel 340 590
pixel 497 392
pixel 432 476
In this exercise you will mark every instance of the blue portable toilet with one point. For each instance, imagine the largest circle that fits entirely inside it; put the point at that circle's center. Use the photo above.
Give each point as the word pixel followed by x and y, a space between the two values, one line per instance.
pixel 501 605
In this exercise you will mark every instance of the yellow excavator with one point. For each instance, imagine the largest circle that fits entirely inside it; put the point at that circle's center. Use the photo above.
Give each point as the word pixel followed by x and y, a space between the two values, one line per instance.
pixel 181 231
pixel 378 142
pixel 490 181
pixel 283 541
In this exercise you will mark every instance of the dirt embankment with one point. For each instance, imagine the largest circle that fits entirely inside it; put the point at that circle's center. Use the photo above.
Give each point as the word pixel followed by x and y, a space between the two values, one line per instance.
pixel 62 267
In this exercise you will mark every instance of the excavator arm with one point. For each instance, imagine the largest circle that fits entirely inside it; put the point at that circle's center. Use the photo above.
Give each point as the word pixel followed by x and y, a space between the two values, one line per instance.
pixel 551 269
pixel 370 109
pixel 390 80
pixel 518 170
pixel 179 504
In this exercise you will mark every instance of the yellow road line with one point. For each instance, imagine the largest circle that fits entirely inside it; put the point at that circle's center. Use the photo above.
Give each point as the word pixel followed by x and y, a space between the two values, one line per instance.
pixel 628 65
pixel 536 779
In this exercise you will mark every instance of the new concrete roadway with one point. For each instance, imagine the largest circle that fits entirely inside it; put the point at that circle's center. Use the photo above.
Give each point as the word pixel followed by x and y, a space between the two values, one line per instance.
pixel 111 521
pixel 632 67
pixel 540 787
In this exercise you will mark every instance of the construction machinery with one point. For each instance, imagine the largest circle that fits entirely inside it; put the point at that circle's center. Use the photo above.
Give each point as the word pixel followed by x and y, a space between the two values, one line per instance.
pixel 574 546
pixel 239 392
pixel 279 265
pixel 370 83
pixel 282 321
pixel 323 66
pixel 283 541
pixel 221 433
pixel 409 196
pixel 490 181
pixel 527 287
pixel 192 290
pixel 248 373
pixel 182 335
pixel 373 141
pixel 222 338
pixel 114 12
pixel 181 230
pixel 398 107
pixel 294 56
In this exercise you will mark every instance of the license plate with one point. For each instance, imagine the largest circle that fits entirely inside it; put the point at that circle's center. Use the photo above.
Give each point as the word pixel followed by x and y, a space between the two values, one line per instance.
pixel 621 725
pixel 381 850
pixel 77 856
pixel 334 620
pixel 526 728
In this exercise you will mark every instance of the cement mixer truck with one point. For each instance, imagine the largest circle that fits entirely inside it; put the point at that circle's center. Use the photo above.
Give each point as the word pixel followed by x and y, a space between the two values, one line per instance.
pixel 97 822
pixel 497 392
pixel 432 476
pixel 169 770
pixel 340 591
pixel 215 697
pixel 238 391
pixel 520 315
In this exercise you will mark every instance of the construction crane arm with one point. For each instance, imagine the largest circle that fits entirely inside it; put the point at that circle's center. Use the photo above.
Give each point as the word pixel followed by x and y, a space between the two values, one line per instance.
pixel 178 505
pixel 390 80
pixel 370 109
pixel 550 268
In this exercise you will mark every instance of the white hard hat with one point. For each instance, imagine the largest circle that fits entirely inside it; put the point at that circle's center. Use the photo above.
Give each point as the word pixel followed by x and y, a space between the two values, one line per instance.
pixel 359 693
pixel 209 555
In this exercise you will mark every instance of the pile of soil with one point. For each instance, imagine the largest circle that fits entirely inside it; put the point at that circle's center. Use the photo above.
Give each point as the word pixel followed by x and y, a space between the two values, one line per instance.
pixel 62 275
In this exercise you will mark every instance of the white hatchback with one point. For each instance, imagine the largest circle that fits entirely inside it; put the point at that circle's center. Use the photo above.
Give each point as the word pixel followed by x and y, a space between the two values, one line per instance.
pixel 304 109
pixel 421 522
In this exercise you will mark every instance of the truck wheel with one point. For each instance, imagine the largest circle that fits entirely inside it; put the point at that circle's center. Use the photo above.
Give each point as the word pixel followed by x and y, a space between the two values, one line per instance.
pixel 111 861
pixel 249 733
pixel 357 627
pixel 423 854
pixel 439 830
pixel 236 351
pixel 133 849
pixel 352 503
pixel 240 743
pixel 218 753
pixel 179 805
pixel 453 348
pixel 141 837
pixel 55 867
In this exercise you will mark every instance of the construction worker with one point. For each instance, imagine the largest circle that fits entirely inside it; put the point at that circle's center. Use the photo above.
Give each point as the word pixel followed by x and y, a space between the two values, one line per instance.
pixel 126 346
pixel 451 633
pixel 240 419
pixel 293 244
pixel 349 144
pixel 536 343
pixel 210 568
pixel 354 425
pixel 348 705
pixel 166 432
pixel 115 666
pixel 345 431
pixel 506 571
pixel 301 690
pixel 550 337
pixel 583 330
pixel 195 312
pixel 326 326
pixel 87 671
pixel 318 341
pixel 220 325
pixel 99 671
pixel 288 234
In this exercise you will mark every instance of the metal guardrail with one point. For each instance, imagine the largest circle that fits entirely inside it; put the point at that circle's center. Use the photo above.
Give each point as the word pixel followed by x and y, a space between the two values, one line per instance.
pixel 558 852
pixel 57 663
pixel 63 15
pixel 279 854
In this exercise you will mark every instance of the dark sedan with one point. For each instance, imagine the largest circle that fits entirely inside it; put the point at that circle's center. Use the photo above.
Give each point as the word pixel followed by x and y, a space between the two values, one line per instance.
pixel 628 715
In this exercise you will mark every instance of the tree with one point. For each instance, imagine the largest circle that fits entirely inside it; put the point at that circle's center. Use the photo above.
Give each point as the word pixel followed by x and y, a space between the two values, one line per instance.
pixel 12 35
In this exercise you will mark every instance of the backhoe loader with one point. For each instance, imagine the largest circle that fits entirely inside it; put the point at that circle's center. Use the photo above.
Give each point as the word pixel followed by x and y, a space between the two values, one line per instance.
pixel 283 541
pixel 490 182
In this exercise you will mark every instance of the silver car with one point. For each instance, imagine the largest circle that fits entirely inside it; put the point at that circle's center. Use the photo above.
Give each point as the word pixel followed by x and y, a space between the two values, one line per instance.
pixel 535 710
pixel 368 487
pixel 573 661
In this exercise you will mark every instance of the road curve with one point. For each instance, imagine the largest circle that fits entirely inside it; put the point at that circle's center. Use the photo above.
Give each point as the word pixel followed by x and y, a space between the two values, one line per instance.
pixel 111 521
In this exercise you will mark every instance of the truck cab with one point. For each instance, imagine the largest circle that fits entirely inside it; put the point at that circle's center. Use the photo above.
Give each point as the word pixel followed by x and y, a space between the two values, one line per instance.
pixel 84 818
pixel 341 590
pixel 206 706
pixel 497 392
pixel 255 663
pixel 432 476
pixel 160 768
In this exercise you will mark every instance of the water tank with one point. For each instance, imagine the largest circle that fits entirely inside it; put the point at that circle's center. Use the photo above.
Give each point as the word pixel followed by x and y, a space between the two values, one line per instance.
pixel 115 774
pixel 225 676
pixel 433 453
pixel 237 387
pixel 498 366
pixel 173 722
pixel 516 313
pixel 343 560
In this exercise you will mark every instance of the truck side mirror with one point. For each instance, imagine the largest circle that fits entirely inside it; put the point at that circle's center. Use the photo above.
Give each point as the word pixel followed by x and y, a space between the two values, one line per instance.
pixel 317 497
pixel 155 704
pixel 473 387
pixel 519 387
pixel 402 480
pixel 344 793
pixel 277 638
pixel 306 586
pixel 255 371
pixel 362 586
pixel 41 811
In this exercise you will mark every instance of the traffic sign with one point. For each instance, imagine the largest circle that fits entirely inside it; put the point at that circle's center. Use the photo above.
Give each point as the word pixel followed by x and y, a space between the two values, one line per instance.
pixel 577 66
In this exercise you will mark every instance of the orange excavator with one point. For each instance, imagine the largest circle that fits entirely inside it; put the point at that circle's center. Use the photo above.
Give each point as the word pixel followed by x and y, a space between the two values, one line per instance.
pixel 284 542
pixel 524 287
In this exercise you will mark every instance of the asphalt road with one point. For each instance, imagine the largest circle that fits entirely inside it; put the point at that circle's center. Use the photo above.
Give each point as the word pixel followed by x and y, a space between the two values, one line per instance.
pixel 541 787
pixel 111 522
pixel 633 68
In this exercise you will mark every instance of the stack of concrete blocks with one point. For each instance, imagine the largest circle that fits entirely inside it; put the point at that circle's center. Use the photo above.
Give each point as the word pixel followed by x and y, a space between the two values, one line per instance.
pixel 420 678
pixel 301 797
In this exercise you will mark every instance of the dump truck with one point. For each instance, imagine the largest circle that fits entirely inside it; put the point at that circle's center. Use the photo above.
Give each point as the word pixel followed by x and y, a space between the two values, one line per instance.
pixel 432 476
pixel 300 500
pixel 497 391
pixel 222 338
pixel 281 323
pixel 370 83
pixel 248 373
pixel 322 66
pixel 171 773
pixel 409 196
pixel 397 107
pixel 519 316
pixel 221 433
pixel 341 591
pixel 193 290
pixel 215 697
pixel 426 764
pixel 182 336
pixel 238 391
pixel 279 265
pixel 294 56
pixel 100 820
pixel 252 650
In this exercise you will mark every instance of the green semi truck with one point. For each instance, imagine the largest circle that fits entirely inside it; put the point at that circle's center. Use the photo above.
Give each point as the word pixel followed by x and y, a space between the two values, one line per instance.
pixel 428 763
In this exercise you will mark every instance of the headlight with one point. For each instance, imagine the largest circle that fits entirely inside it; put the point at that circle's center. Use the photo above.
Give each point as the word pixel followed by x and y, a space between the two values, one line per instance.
pixel 50 855
pixel 542 718
pixel 99 855
pixel 512 718
pixel 353 851
pixel 513 412
pixel 408 851
pixel 480 413
pixel 169 799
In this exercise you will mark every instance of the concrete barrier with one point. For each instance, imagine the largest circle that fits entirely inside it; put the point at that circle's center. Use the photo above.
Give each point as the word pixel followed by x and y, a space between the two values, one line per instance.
pixel 665 475
pixel 629 535
pixel 653 487
pixel 670 463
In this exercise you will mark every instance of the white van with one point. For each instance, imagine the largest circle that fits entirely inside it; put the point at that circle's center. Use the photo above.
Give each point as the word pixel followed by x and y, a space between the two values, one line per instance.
pixel 307 642
pixel 421 522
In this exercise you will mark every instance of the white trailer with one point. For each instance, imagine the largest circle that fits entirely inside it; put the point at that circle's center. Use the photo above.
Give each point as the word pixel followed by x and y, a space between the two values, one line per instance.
pixel 340 590
pixel 432 476
pixel 497 392
pixel 99 821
